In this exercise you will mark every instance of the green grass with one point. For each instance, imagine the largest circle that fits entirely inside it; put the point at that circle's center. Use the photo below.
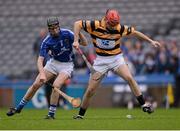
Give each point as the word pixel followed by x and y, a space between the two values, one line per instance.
pixel 104 119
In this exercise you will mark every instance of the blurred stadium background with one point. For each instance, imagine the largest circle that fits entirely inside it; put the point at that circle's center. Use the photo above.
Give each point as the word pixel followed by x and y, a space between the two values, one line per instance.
pixel 155 70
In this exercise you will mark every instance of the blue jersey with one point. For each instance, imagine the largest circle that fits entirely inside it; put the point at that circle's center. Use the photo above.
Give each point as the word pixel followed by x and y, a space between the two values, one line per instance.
pixel 60 47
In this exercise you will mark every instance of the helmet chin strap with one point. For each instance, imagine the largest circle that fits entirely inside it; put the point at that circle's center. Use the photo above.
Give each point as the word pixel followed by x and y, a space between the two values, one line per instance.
pixel 55 36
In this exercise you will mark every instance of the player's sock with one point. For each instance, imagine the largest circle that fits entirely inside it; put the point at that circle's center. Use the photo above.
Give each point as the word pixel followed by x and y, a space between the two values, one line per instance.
pixel 21 104
pixel 141 100
pixel 52 110
pixel 82 111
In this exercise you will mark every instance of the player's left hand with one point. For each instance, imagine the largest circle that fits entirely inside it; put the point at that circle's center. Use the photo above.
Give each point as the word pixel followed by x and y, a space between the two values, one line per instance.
pixel 156 44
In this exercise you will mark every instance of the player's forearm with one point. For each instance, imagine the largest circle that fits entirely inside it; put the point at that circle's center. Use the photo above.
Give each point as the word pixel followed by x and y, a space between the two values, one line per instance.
pixel 141 35
pixel 77 29
pixel 83 40
pixel 40 64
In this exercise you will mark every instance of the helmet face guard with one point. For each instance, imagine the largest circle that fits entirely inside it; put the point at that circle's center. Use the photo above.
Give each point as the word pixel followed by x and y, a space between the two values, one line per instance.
pixel 112 17
pixel 53 26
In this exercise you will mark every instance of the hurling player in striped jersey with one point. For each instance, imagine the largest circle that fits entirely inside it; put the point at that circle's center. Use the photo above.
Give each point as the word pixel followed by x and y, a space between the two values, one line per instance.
pixel 106 34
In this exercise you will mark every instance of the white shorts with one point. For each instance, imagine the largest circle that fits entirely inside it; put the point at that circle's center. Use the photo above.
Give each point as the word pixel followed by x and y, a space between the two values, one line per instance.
pixel 103 64
pixel 57 67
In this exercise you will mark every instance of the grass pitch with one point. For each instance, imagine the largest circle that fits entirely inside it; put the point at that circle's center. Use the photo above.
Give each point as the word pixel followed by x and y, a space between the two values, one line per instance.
pixel 96 119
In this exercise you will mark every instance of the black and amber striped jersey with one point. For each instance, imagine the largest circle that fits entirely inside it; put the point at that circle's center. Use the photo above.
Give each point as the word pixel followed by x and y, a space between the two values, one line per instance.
pixel 106 42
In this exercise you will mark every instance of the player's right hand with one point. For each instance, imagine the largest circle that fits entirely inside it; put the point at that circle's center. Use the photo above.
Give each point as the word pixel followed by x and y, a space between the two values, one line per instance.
pixel 76 44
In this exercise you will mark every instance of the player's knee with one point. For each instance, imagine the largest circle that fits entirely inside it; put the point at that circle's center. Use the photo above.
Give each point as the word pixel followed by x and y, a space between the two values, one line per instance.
pixel 55 85
pixel 97 76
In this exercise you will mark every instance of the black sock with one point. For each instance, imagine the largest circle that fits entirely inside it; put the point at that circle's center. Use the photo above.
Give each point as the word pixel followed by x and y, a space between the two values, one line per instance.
pixel 82 111
pixel 141 100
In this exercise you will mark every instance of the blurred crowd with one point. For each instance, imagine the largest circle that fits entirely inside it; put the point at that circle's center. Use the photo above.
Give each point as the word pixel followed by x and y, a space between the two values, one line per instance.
pixel 143 58
pixel 147 59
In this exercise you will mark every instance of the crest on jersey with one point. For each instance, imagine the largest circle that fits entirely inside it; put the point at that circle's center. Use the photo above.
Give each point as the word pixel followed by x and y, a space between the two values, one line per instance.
pixel 66 41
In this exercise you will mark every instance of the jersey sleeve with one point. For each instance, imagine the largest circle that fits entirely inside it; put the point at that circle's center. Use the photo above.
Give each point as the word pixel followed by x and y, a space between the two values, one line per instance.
pixel 88 25
pixel 126 30
pixel 71 35
pixel 43 49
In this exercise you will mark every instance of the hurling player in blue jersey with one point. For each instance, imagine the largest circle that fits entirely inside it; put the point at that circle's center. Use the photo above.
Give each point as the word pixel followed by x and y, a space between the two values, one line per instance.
pixel 60 66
